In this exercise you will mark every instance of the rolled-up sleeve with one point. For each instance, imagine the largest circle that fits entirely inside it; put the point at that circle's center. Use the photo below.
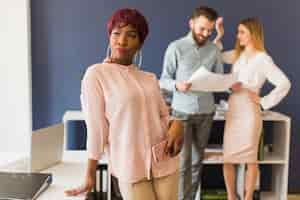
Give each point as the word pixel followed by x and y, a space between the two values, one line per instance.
pixel 168 76
pixel 93 106
pixel 219 68
pixel 163 108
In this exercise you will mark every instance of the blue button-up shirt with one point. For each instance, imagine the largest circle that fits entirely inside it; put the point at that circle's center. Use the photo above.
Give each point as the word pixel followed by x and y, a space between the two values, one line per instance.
pixel 182 58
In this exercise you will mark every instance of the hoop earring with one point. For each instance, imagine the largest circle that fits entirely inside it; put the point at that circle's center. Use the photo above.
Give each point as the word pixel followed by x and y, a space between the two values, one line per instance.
pixel 108 51
pixel 138 59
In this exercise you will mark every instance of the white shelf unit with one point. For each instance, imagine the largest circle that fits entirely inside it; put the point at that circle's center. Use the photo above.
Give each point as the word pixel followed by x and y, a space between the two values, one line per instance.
pixel 277 159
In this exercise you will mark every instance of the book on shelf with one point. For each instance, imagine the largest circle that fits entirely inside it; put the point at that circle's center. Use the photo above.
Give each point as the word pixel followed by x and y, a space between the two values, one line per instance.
pixel 213 194
pixel 214 148
pixel 213 152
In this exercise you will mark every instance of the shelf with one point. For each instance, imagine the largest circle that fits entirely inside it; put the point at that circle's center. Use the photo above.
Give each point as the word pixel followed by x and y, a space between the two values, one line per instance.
pixel 266 115
pixel 273 159
pixel 269 159
pixel 268 196
pixel 73 115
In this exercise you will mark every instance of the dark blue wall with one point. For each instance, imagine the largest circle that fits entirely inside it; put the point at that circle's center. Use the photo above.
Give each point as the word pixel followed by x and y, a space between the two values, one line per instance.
pixel 69 35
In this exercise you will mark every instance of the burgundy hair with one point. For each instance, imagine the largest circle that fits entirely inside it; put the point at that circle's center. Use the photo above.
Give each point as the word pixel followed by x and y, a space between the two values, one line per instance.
pixel 128 16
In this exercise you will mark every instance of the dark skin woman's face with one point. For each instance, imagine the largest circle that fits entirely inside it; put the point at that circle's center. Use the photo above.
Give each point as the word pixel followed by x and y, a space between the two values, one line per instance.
pixel 124 42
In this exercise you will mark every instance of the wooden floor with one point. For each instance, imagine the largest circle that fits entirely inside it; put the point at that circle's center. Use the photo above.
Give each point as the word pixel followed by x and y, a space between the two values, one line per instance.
pixel 294 197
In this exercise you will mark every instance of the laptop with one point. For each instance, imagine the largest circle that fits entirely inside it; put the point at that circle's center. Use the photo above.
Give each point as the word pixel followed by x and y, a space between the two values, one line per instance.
pixel 46 151
pixel 23 186
pixel 46 147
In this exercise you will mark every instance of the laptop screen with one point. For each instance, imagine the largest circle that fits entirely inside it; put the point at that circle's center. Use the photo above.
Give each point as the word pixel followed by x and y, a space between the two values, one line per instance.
pixel 45 150
pixel 46 147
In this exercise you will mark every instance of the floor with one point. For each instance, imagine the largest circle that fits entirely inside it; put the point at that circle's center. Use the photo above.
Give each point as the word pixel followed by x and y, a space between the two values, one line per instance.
pixel 294 197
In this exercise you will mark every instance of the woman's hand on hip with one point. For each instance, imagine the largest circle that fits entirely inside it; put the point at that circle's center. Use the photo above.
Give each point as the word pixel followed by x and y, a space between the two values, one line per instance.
pixel 175 138
pixel 236 86
pixel 254 97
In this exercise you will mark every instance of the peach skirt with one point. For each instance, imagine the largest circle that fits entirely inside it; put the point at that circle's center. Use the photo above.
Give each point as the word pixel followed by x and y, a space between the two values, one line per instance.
pixel 242 129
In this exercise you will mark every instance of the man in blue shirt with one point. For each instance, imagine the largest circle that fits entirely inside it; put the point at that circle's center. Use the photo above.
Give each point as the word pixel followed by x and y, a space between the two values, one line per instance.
pixel 182 58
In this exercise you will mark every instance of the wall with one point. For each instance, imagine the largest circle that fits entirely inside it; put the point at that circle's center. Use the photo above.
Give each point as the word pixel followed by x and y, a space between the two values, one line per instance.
pixel 69 35
pixel 15 76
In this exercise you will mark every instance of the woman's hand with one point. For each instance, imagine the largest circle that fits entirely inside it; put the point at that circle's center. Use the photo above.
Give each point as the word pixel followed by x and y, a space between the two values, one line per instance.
pixel 254 97
pixel 84 188
pixel 89 181
pixel 175 138
pixel 236 87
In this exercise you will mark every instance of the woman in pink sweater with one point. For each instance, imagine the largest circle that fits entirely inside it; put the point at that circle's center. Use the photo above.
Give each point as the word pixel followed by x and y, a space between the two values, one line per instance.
pixel 126 115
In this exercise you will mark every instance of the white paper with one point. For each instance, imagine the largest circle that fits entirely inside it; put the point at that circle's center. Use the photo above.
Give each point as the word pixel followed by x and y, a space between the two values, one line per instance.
pixel 206 81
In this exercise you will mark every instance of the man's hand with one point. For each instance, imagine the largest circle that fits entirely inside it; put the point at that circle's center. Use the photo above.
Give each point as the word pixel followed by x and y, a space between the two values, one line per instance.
pixel 219 28
pixel 175 138
pixel 183 86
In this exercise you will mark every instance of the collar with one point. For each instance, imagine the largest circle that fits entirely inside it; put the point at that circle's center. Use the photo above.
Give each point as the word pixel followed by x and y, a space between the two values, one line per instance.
pixel 126 67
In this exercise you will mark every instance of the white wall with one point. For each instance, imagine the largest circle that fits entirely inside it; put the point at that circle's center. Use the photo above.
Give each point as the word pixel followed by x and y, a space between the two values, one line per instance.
pixel 15 76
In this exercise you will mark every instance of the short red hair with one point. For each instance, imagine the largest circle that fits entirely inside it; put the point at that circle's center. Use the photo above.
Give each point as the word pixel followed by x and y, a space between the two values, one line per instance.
pixel 128 16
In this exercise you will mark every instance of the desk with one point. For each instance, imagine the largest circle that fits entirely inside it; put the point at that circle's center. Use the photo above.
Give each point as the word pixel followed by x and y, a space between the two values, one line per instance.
pixel 10 158
pixel 67 174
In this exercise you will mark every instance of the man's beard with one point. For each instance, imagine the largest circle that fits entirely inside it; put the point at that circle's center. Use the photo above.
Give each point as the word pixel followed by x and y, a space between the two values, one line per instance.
pixel 199 42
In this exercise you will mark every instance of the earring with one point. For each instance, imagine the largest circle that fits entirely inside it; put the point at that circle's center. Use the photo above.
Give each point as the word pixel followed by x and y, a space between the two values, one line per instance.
pixel 138 58
pixel 108 51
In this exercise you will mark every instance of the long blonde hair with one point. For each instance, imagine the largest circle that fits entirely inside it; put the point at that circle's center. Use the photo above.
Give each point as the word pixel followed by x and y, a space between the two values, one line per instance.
pixel 257 35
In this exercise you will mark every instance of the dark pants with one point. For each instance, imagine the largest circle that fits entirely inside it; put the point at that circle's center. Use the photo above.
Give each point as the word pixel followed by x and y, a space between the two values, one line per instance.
pixel 196 134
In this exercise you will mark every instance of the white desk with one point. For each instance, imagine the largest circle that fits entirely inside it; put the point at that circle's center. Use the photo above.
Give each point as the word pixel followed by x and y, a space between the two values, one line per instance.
pixel 9 158
pixel 67 174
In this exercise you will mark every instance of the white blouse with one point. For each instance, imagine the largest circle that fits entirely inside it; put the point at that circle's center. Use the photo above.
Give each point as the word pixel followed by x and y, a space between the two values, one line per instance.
pixel 253 73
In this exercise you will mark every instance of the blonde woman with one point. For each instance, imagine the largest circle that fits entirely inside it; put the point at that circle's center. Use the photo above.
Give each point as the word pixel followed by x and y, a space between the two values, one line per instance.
pixel 243 124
